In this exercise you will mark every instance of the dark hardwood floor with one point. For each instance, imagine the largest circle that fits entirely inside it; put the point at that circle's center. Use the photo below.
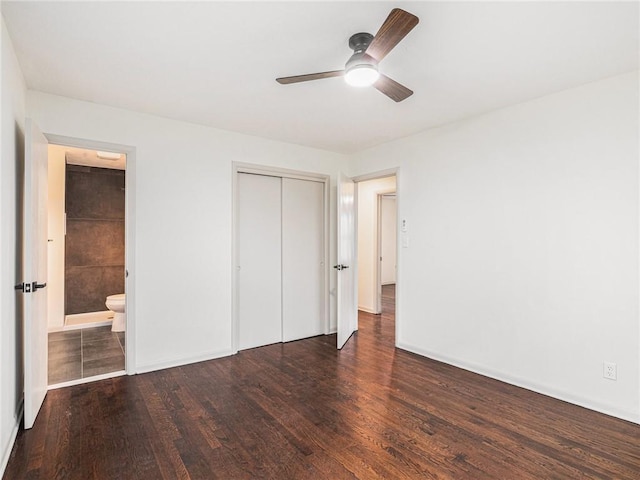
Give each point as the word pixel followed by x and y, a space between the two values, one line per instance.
pixel 303 410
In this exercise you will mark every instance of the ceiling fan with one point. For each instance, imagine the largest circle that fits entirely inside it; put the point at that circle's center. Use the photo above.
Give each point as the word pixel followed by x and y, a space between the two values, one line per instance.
pixel 361 70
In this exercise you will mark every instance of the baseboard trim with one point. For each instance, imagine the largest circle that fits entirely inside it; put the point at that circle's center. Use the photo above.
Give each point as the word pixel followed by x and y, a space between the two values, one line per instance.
pixel 629 416
pixel 203 357
pixel 6 452
pixel 368 310
pixel 106 323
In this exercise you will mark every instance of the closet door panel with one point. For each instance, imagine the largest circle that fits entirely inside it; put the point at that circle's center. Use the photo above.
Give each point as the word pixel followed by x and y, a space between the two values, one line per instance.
pixel 302 256
pixel 259 243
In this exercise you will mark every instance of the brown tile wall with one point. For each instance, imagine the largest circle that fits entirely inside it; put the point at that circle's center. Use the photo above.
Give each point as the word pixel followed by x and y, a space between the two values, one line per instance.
pixel 94 244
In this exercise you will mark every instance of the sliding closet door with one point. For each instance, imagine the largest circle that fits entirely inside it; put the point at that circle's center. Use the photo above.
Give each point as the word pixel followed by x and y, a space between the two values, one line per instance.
pixel 259 242
pixel 302 257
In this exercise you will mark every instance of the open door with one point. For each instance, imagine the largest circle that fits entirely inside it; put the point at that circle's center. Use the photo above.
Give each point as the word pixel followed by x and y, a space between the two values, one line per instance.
pixel 34 267
pixel 346 298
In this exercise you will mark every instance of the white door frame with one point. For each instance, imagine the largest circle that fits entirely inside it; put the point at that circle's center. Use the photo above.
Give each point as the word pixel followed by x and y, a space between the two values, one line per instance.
pixel 240 167
pixel 374 176
pixel 129 229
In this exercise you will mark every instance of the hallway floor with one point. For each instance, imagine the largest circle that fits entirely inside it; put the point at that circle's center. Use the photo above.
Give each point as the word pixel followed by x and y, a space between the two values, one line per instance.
pixel 86 352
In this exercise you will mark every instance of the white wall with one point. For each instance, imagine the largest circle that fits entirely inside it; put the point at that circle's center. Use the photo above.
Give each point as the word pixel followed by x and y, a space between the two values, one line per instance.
pixel 368 192
pixel 55 247
pixel 523 256
pixel 183 215
pixel 13 114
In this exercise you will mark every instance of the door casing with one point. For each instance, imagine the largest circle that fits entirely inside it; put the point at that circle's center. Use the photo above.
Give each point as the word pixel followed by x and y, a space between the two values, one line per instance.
pixel 130 179
pixel 374 176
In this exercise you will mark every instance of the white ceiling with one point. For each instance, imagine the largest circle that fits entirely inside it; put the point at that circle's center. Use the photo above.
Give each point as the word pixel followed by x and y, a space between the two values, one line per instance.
pixel 215 63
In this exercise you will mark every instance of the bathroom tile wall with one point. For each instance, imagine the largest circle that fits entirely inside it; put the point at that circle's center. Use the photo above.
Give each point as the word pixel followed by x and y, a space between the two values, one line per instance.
pixel 94 245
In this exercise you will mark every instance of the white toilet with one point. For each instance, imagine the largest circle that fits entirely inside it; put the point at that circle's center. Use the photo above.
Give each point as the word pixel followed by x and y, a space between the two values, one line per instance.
pixel 115 303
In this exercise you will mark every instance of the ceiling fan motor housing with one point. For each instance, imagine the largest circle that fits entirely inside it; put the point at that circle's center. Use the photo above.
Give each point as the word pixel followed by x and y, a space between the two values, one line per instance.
pixel 360 41
pixel 359 44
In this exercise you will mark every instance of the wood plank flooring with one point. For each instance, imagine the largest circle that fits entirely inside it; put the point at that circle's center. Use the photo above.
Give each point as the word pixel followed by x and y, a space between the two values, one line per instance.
pixel 303 410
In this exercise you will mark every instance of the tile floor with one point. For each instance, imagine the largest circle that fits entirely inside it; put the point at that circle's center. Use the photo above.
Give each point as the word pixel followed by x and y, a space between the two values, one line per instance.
pixel 76 354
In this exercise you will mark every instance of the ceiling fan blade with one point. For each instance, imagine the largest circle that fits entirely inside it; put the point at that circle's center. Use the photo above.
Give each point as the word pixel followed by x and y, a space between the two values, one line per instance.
pixel 392 89
pixel 397 25
pixel 309 76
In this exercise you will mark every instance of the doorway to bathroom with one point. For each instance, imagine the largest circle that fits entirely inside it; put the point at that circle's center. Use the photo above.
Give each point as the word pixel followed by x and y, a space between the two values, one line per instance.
pixel 86 264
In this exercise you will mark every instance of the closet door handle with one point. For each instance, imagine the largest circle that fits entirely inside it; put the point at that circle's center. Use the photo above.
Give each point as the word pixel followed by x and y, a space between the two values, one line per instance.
pixel 340 267
pixel 35 285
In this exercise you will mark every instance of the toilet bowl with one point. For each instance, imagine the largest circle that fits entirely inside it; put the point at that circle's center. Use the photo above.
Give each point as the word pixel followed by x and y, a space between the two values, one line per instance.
pixel 115 303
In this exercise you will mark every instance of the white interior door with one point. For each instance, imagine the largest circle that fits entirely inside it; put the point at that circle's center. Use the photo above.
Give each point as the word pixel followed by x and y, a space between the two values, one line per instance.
pixel 346 253
pixel 302 258
pixel 34 262
pixel 259 241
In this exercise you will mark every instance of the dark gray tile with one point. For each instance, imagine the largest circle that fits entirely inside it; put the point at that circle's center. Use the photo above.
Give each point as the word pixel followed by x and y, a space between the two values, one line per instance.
pixel 103 365
pixel 100 350
pixel 95 193
pixel 87 288
pixel 64 349
pixel 64 336
pixel 97 334
pixel 56 361
pixel 99 343
pixel 64 370
pixel 94 242
pixel 65 359
pixel 94 245
pixel 76 354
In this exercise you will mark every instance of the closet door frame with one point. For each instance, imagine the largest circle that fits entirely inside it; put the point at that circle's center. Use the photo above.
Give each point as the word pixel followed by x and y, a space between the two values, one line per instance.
pixel 240 167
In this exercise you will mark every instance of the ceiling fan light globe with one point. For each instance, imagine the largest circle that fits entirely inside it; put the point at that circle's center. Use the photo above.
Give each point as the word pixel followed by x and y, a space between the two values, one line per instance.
pixel 361 75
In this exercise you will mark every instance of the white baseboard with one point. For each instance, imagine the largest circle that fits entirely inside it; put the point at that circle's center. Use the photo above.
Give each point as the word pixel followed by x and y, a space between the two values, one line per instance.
pixel 526 384
pixel 80 326
pixel 6 450
pixel 178 362
pixel 368 310
pixel 88 317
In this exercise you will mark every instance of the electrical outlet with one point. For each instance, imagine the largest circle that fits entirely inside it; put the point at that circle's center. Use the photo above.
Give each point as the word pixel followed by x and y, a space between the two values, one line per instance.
pixel 610 371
